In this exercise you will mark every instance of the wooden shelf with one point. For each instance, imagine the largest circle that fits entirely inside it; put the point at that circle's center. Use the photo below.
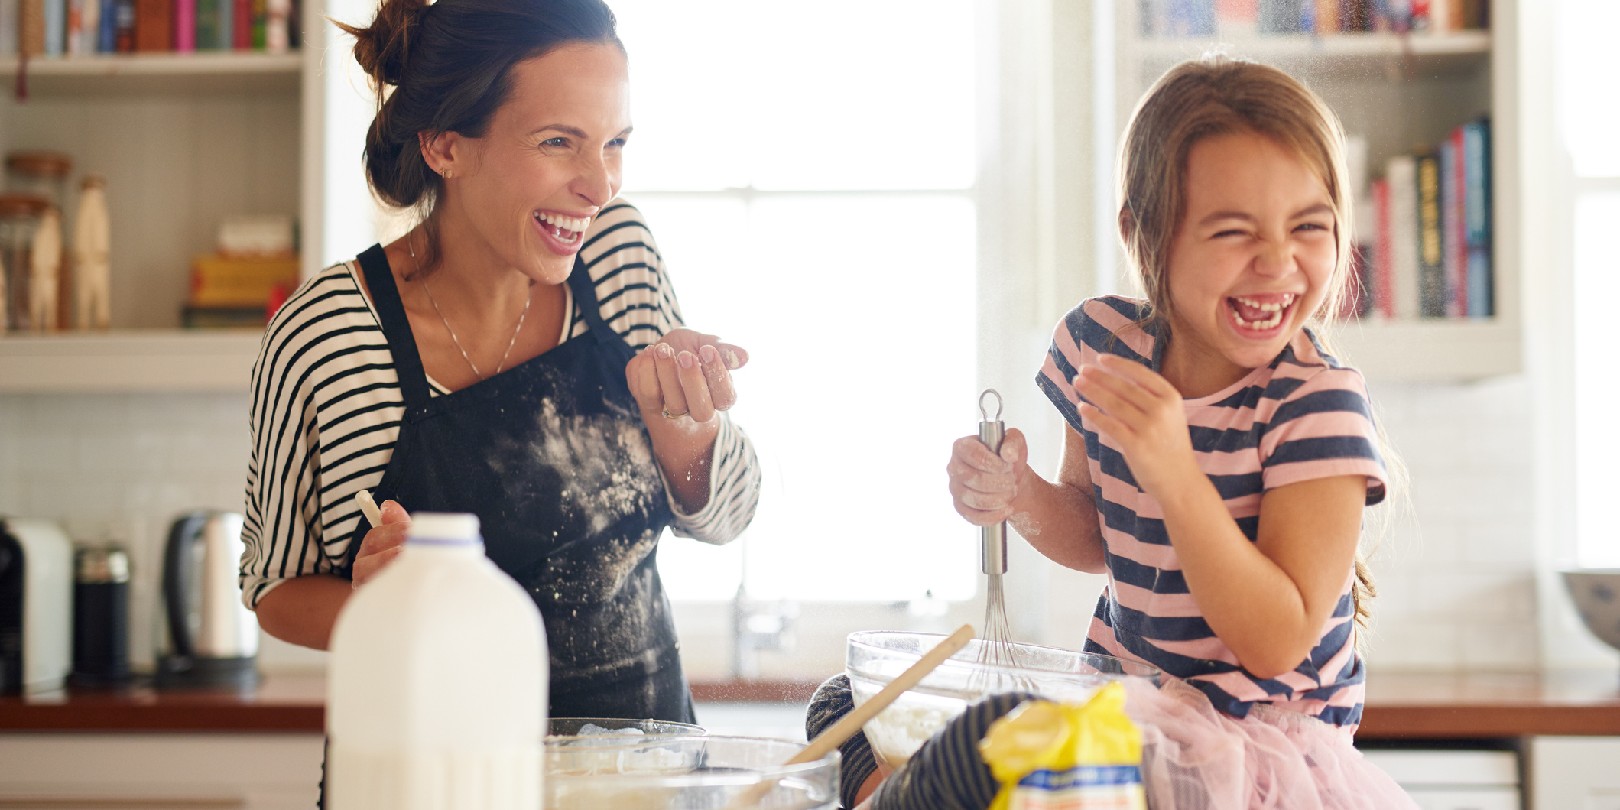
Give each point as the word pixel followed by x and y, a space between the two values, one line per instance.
pixel 1430 351
pixel 180 73
pixel 1371 52
pixel 128 361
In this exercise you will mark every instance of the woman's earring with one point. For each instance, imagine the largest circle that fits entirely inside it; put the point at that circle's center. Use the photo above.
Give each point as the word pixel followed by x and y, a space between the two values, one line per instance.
pixel 445 174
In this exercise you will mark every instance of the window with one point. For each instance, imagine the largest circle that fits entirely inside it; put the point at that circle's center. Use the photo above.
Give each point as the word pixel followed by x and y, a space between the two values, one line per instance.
pixel 1587 63
pixel 810 173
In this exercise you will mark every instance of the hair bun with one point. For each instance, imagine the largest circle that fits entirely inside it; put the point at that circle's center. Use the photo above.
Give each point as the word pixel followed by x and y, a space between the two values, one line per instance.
pixel 383 50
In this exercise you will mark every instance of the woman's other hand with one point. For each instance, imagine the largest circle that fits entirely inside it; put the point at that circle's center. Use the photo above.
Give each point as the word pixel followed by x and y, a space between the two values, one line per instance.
pixel 984 483
pixel 686 373
pixel 382 544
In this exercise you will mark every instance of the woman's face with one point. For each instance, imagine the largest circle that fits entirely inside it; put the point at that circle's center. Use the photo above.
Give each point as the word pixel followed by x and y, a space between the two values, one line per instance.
pixel 1251 260
pixel 551 158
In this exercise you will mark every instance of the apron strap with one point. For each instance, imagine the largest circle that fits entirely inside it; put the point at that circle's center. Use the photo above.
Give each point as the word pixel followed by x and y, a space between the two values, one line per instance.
pixel 584 289
pixel 396 327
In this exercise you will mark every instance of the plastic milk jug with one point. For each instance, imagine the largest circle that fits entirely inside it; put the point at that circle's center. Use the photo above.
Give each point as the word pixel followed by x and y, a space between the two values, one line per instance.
pixel 437 681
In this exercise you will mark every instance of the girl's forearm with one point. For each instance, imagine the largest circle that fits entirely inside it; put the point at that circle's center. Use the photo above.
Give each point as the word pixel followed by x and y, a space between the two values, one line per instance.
pixel 1060 521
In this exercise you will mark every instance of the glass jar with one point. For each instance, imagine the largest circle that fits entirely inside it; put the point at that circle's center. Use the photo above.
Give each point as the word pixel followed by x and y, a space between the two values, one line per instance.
pixel 40 173
pixel 46 174
pixel 19 220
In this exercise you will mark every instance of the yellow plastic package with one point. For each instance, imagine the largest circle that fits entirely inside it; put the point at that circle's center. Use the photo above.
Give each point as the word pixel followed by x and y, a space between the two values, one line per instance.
pixel 1066 756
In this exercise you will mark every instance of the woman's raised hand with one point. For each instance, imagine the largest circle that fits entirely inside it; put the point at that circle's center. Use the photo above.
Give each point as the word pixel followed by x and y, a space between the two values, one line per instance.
pixel 983 483
pixel 382 544
pixel 685 374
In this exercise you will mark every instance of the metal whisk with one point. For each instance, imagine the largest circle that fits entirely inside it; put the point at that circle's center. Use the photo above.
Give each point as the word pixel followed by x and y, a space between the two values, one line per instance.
pixel 996 648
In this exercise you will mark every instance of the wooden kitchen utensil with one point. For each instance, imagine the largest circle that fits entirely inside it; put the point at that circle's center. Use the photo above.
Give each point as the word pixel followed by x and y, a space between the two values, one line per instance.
pixel 368 507
pixel 845 728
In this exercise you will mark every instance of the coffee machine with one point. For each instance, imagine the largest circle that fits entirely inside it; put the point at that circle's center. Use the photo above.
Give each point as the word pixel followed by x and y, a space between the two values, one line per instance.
pixel 36 602
pixel 213 638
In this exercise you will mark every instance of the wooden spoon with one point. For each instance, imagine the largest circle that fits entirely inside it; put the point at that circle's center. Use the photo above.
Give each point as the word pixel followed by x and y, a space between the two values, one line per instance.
pixel 845 728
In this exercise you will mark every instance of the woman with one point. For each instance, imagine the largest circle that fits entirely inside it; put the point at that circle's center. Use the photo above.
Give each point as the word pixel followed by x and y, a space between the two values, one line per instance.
pixel 518 354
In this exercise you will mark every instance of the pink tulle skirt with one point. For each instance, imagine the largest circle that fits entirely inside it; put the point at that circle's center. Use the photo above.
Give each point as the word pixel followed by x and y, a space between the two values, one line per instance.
pixel 1196 758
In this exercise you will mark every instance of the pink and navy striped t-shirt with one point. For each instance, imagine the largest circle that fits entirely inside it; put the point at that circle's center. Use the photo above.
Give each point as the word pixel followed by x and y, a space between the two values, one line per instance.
pixel 1303 417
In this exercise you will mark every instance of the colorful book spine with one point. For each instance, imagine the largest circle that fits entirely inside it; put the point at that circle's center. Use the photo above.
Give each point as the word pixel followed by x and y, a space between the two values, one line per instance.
pixel 154 25
pixel 241 24
pixel 107 26
pixel 207 32
pixel 10 18
pixel 1454 266
pixel 1383 260
pixel 261 24
pixel 84 22
pixel 1431 238
pixel 227 30
pixel 1405 296
pixel 124 14
pixel 55 27
pixel 1476 140
pixel 185 25
pixel 31 28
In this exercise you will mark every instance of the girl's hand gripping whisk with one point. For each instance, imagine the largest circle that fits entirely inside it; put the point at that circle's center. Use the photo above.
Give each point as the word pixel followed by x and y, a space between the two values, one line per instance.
pixel 997 647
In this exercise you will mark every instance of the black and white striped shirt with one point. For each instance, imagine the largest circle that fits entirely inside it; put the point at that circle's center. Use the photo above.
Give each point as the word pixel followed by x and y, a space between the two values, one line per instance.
pixel 326 407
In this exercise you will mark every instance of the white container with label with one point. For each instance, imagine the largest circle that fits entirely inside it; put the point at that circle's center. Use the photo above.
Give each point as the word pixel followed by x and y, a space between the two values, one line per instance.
pixel 436 688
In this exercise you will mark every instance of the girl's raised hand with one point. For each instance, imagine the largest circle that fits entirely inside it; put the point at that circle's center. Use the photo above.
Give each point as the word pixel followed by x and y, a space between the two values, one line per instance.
pixel 983 483
pixel 382 544
pixel 1143 412
pixel 686 373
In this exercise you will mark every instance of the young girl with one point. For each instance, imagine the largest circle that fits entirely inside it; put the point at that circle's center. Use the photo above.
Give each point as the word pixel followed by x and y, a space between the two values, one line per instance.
pixel 1218 459
pixel 1216 465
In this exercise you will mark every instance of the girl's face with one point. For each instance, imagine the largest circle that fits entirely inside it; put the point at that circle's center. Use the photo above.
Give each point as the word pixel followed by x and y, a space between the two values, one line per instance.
pixel 1252 258
pixel 551 158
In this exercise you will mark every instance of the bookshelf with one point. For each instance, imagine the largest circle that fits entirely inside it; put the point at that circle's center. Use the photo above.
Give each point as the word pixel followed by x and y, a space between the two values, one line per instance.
pixel 1398 92
pixel 183 139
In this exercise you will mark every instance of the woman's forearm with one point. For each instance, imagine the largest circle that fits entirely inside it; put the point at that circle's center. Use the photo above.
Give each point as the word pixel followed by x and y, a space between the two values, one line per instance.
pixel 304 609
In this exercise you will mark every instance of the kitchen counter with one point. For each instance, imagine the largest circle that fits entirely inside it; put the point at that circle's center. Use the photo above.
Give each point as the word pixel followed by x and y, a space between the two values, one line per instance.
pixel 1400 706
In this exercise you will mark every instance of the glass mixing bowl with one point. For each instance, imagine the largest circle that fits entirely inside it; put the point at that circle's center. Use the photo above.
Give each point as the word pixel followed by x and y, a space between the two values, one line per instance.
pixel 684 772
pixel 873 658
pixel 587 726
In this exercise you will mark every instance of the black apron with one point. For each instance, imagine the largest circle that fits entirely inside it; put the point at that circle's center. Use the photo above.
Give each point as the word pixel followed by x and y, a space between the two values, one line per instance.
pixel 554 459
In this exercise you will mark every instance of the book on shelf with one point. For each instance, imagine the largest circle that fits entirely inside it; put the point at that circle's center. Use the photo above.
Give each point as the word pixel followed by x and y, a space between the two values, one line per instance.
pixel 1475 139
pixel 75 28
pixel 1405 291
pixel 154 25
pixel 185 26
pixel 225 280
pixel 199 316
pixel 1241 18
pixel 1453 268
pixel 1431 236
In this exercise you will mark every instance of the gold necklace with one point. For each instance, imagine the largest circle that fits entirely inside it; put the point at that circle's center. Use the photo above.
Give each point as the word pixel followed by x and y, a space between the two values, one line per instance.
pixel 410 246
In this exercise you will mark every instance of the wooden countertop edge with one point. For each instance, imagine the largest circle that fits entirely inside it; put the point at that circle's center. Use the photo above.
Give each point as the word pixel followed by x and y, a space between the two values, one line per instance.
pixel 294 704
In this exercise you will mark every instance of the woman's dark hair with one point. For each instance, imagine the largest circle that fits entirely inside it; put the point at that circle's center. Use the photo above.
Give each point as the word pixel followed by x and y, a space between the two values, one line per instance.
pixel 446 67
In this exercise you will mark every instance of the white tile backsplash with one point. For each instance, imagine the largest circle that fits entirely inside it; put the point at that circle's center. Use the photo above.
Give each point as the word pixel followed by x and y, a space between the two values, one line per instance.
pixel 1456 569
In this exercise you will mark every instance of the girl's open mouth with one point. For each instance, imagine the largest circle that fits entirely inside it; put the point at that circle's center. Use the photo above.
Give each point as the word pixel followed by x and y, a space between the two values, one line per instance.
pixel 1260 313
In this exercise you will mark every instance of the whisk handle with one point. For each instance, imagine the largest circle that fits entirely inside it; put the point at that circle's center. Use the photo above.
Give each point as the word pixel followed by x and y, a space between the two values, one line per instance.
pixel 993 539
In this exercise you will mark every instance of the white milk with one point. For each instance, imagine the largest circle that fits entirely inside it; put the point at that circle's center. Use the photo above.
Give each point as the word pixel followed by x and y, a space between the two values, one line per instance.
pixel 436 688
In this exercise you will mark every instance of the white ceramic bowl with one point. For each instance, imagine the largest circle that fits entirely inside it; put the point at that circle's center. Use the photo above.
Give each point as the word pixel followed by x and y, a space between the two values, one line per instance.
pixel 618 772
pixel 873 658
pixel 1596 594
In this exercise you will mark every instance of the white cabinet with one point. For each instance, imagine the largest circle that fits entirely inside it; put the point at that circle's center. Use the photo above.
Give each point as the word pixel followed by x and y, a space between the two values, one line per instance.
pixel 1575 773
pixel 204 771
pixel 1454 779
pixel 185 139
pixel 1397 92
